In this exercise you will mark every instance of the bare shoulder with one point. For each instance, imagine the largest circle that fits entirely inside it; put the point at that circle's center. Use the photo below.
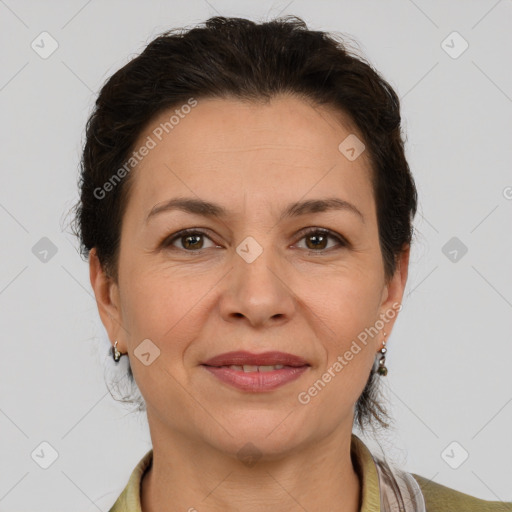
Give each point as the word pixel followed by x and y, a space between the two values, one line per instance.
pixel 439 498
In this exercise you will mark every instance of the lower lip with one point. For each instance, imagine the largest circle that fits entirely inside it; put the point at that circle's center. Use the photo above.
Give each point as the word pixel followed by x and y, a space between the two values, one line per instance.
pixel 256 381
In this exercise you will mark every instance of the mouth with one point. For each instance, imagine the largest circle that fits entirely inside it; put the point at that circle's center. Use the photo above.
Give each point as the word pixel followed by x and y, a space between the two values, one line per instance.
pixel 256 372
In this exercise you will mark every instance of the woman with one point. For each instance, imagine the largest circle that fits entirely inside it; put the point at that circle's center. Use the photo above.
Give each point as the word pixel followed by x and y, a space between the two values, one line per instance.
pixel 246 207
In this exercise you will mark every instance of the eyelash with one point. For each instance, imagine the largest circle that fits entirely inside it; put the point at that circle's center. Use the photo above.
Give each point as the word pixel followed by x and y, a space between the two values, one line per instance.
pixel 168 241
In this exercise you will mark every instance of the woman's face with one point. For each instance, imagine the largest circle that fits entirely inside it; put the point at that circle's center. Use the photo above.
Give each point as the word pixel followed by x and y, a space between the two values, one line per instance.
pixel 252 279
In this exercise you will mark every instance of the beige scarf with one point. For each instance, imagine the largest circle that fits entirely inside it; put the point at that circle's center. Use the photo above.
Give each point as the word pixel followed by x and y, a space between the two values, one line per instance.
pixel 399 491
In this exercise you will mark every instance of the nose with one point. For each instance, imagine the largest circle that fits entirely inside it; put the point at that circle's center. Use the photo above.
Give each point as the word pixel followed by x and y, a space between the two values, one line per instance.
pixel 257 291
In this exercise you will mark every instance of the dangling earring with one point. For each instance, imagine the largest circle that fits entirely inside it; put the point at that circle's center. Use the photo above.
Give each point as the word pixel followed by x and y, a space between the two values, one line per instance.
pixel 115 353
pixel 382 370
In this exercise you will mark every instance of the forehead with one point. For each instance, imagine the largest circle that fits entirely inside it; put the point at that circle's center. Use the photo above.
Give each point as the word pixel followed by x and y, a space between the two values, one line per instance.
pixel 283 149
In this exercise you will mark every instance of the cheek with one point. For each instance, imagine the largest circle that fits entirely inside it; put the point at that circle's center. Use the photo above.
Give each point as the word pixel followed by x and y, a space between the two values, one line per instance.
pixel 349 350
pixel 165 311
pixel 349 300
pixel 157 298
pixel 347 308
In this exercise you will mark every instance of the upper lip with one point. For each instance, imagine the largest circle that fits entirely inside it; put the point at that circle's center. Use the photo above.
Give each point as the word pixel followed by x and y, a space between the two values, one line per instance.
pixel 241 358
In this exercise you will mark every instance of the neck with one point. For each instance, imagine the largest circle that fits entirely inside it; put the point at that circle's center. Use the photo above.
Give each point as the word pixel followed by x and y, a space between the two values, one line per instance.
pixel 187 475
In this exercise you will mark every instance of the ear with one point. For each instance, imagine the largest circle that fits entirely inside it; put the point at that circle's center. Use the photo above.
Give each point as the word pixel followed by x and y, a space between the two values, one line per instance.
pixel 393 292
pixel 107 300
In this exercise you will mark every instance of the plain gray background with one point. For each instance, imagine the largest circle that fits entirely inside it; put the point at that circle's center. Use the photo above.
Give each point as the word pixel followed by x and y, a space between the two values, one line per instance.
pixel 450 354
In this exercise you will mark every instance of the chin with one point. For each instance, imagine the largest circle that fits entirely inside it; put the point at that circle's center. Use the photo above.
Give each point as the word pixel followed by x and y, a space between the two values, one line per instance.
pixel 271 434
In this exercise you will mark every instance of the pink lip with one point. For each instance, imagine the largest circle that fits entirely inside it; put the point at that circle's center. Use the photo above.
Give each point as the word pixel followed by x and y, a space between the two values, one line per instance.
pixel 242 357
pixel 294 367
pixel 257 382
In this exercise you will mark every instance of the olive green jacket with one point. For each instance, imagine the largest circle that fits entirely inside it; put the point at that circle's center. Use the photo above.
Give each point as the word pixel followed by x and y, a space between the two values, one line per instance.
pixel 438 498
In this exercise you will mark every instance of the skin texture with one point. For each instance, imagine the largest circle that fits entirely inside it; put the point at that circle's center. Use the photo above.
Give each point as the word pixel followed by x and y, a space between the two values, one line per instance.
pixel 254 159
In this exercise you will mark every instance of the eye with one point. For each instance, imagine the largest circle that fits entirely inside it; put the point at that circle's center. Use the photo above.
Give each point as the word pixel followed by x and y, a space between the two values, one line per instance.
pixel 190 240
pixel 316 239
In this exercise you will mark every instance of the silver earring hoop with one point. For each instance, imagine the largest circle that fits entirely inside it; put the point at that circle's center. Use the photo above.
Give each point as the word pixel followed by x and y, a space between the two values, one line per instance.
pixel 115 353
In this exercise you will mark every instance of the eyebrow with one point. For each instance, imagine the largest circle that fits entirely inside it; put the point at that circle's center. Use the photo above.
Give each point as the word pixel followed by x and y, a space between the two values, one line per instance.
pixel 209 209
